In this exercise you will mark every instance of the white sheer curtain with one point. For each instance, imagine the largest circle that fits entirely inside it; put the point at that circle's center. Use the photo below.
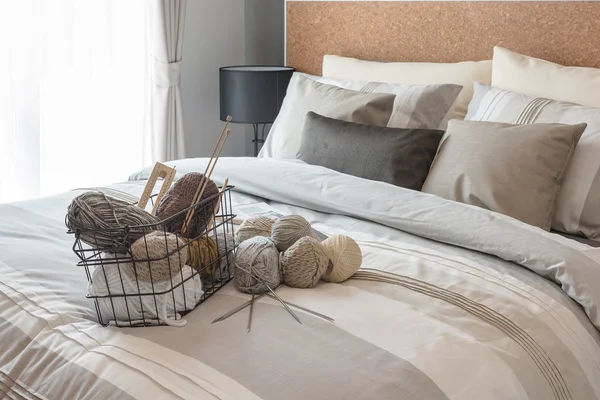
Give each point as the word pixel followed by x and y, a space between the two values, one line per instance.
pixel 73 94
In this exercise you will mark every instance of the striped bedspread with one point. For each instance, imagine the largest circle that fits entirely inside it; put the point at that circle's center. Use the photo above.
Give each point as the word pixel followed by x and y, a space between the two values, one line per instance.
pixel 452 302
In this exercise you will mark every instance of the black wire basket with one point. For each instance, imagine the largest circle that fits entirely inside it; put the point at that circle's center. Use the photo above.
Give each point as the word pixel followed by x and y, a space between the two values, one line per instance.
pixel 158 280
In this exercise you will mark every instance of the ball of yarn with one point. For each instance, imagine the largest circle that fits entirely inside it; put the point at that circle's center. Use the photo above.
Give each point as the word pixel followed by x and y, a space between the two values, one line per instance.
pixel 202 254
pixel 225 244
pixel 96 218
pixel 255 225
pixel 304 263
pixel 345 256
pixel 257 265
pixel 158 256
pixel 288 229
pixel 180 197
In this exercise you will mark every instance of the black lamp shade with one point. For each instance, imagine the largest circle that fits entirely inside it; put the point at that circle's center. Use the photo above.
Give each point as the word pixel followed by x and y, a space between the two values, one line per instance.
pixel 252 94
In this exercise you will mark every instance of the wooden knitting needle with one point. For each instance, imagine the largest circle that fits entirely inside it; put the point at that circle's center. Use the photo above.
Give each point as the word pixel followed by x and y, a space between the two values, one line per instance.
pixel 204 184
pixel 237 309
pixel 204 181
pixel 218 202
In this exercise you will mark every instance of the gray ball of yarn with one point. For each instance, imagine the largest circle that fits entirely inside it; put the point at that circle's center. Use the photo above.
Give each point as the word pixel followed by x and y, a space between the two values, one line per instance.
pixel 225 245
pixel 289 229
pixel 157 256
pixel 255 225
pixel 96 218
pixel 257 258
pixel 304 263
pixel 180 197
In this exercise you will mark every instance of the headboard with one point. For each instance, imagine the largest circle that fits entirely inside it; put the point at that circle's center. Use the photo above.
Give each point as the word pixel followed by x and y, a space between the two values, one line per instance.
pixel 565 32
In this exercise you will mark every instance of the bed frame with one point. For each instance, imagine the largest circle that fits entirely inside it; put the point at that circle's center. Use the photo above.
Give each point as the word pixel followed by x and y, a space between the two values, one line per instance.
pixel 564 32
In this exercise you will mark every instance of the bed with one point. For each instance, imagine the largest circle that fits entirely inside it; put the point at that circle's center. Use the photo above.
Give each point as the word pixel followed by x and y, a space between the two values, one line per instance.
pixel 452 301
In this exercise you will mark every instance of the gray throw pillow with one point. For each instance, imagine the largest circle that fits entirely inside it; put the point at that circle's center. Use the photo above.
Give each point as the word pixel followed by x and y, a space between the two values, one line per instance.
pixel 399 156
pixel 515 170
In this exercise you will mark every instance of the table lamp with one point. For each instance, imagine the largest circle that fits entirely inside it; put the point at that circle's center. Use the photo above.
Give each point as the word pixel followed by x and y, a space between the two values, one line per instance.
pixel 253 95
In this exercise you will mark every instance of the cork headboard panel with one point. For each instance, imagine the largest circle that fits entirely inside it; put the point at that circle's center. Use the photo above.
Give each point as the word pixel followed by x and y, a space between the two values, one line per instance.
pixel 565 32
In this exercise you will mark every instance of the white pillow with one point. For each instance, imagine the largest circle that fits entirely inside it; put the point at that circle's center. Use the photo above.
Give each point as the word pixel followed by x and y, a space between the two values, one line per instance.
pixel 535 77
pixel 462 73
pixel 415 106
pixel 304 95
pixel 578 202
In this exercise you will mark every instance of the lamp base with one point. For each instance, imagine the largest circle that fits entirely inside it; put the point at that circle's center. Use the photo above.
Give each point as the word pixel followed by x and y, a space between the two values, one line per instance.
pixel 258 139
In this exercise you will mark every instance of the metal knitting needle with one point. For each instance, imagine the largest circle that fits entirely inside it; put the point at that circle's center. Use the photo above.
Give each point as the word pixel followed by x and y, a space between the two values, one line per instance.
pixel 237 309
pixel 289 310
pixel 250 315
pixel 325 317
pixel 283 303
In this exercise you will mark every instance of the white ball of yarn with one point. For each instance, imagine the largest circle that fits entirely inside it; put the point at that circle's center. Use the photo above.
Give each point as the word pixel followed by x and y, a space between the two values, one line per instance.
pixel 255 225
pixel 304 263
pixel 257 265
pixel 289 229
pixel 345 255
pixel 166 251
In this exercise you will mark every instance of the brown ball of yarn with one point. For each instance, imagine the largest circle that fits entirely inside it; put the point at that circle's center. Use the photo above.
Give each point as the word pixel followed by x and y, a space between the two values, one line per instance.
pixel 157 256
pixel 180 197
pixel 96 218
pixel 304 263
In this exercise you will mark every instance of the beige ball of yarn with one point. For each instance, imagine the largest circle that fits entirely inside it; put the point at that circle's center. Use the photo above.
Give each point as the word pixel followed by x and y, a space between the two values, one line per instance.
pixel 255 225
pixel 345 256
pixel 166 251
pixel 303 264
pixel 289 229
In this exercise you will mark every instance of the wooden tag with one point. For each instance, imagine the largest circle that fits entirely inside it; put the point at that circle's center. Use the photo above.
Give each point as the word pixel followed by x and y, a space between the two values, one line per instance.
pixel 160 171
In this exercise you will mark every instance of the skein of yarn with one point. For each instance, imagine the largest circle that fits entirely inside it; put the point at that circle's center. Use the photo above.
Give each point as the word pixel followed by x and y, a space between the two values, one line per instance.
pixel 256 264
pixel 180 197
pixel 345 256
pixel 255 225
pixel 202 253
pixel 304 263
pixel 157 256
pixel 288 229
pixel 97 218
pixel 225 244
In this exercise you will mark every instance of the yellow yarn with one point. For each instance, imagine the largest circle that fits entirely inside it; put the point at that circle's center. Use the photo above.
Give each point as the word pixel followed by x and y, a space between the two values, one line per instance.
pixel 202 255
pixel 345 255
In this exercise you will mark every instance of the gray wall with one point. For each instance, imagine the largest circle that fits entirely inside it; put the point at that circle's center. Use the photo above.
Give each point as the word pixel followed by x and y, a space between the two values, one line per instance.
pixel 220 33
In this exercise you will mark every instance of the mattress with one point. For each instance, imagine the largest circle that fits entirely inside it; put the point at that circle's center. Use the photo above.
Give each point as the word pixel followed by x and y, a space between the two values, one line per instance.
pixel 451 302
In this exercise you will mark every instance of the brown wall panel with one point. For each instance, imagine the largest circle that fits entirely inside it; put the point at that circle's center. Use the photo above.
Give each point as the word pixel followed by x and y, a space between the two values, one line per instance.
pixel 566 32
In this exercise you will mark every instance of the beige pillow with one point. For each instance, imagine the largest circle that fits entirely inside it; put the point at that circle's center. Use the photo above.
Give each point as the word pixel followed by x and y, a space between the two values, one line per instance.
pixel 516 170
pixel 535 77
pixel 304 95
pixel 577 204
pixel 461 73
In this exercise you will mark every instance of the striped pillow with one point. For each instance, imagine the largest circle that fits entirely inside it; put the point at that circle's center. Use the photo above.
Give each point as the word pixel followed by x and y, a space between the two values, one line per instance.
pixel 415 106
pixel 578 204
